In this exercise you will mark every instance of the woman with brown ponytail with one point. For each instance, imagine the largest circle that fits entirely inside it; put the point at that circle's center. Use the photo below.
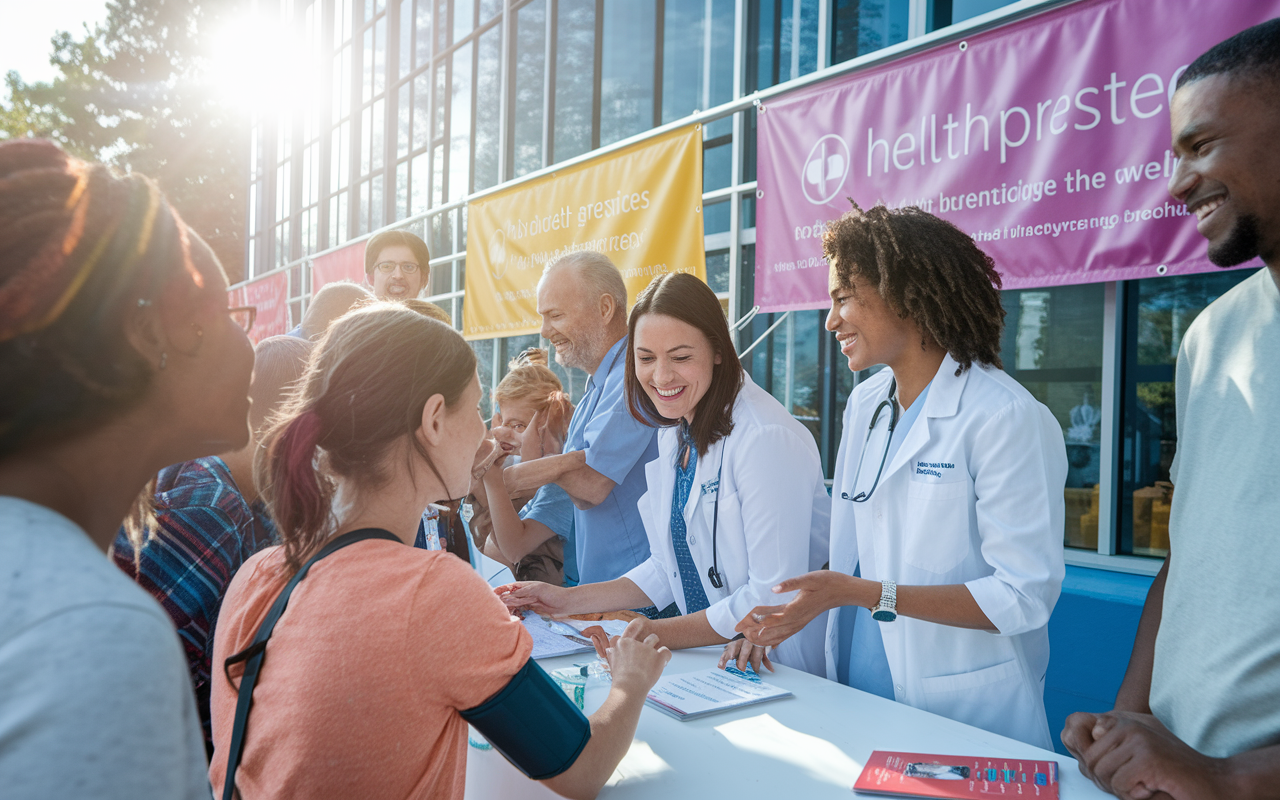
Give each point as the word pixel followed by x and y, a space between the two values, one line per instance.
pixel 118 357
pixel 386 651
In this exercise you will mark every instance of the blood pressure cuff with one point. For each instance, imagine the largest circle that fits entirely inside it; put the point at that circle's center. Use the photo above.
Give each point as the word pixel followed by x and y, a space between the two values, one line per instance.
pixel 533 723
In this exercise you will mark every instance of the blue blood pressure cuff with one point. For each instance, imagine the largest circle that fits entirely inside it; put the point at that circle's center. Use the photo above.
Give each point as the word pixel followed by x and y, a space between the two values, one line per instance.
pixel 533 723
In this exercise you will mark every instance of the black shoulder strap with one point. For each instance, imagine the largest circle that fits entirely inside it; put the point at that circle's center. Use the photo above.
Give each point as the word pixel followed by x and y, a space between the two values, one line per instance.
pixel 255 652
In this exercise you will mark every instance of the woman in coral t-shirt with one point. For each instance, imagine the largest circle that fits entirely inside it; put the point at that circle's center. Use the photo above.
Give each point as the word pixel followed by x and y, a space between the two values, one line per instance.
pixel 385 647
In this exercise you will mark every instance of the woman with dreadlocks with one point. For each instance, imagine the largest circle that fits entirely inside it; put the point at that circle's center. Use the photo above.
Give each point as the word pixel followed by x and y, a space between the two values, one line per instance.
pixel 947 516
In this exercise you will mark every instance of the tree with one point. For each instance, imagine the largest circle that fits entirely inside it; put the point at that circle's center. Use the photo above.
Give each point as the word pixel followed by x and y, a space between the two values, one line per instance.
pixel 135 92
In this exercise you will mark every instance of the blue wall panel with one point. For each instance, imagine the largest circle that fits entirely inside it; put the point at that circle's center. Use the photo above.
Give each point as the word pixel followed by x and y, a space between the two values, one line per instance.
pixel 1090 639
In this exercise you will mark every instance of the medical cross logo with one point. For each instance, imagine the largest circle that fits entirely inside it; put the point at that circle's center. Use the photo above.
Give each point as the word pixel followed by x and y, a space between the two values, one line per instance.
pixel 498 254
pixel 825 169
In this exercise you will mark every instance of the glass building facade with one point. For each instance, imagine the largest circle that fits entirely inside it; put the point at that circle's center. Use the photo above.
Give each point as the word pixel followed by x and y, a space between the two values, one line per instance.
pixel 418 105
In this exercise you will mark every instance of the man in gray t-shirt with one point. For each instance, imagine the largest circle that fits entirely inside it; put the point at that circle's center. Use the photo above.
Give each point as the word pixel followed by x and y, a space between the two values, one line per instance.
pixel 1198 714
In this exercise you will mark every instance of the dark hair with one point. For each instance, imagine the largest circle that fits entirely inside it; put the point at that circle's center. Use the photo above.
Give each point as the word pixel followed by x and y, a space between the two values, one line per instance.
pixel 926 270
pixel 681 296
pixel 363 390
pixel 391 238
pixel 1254 51
pixel 81 248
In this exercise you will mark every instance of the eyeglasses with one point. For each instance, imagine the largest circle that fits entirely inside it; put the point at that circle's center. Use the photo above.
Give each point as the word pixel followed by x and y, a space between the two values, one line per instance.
pixel 244 316
pixel 891 404
pixel 388 267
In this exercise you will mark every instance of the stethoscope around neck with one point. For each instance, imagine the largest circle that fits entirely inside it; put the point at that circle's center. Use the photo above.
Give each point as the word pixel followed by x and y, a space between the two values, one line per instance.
pixel 891 404
pixel 713 572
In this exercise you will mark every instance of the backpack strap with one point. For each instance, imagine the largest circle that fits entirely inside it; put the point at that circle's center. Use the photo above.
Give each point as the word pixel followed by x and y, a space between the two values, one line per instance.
pixel 256 652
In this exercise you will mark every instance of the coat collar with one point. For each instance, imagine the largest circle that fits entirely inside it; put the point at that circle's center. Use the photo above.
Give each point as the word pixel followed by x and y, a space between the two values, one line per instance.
pixel 942 401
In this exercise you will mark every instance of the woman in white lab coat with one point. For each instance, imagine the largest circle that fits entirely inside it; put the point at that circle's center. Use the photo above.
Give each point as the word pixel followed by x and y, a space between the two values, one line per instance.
pixel 954 521
pixel 736 500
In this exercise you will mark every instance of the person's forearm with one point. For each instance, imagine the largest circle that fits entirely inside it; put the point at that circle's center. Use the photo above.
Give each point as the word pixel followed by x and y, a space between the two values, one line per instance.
pixel 529 475
pixel 615 595
pixel 613 728
pixel 1252 775
pixel 585 487
pixel 945 605
pixel 1135 689
pixel 514 536
pixel 689 630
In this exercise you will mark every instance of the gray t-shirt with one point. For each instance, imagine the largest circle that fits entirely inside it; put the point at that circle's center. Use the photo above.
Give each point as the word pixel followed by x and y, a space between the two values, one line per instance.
pixel 95 694
pixel 1216 679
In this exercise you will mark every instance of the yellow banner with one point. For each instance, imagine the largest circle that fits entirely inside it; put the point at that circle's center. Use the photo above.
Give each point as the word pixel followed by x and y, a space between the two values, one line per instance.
pixel 640 206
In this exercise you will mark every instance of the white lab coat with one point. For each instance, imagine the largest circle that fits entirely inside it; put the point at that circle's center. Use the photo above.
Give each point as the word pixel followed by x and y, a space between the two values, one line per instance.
pixel 973 496
pixel 774 520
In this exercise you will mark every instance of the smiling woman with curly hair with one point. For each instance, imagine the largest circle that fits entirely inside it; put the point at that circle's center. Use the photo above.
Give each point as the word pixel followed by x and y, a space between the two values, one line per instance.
pixel 948 480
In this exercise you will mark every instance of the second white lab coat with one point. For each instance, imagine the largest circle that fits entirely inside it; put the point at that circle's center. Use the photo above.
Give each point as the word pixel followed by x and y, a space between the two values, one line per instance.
pixel 774 520
pixel 973 496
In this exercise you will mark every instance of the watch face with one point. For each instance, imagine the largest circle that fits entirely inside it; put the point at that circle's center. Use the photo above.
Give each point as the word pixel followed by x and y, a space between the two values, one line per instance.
pixel 884 615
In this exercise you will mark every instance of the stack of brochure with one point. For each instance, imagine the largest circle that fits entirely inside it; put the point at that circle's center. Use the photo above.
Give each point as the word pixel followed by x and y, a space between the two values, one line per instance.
pixel 691 695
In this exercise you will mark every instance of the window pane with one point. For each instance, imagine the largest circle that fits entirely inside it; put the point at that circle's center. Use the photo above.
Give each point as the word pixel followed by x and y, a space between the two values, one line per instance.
pixel 489 9
pixel 378 144
pixel 488 107
pixel 460 125
pixel 406 38
pixel 1159 312
pixel 626 69
pixel 864 26
pixel 715 218
pixel 376 203
pixel 718 270
pixel 530 72
pixel 575 76
pixel 683 58
pixel 421 105
pixel 404 110
pixel 420 180
pixel 464 18
pixel 423 36
pixel 717 166
pixel 402 191
pixel 1052 345
pixel 380 56
pixel 366 74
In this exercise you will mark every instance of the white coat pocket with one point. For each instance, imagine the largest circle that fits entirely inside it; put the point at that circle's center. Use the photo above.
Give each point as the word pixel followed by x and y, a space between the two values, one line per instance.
pixel 936 537
pixel 995 698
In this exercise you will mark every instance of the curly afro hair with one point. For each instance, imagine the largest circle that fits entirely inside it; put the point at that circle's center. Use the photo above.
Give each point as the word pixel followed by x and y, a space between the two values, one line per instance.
pixel 927 270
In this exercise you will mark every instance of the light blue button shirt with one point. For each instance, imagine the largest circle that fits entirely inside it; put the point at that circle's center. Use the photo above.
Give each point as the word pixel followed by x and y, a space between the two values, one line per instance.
pixel 867 667
pixel 552 507
pixel 610 538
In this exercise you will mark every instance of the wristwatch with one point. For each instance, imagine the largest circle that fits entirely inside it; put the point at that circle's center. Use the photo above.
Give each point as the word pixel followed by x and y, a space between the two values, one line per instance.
pixel 887 609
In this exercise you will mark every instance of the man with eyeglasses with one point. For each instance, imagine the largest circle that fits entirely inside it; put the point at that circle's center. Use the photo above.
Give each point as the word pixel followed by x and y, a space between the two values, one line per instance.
pixel 397 264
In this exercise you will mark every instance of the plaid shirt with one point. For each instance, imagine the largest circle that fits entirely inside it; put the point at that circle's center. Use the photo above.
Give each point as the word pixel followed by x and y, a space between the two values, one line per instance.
pixel 206 531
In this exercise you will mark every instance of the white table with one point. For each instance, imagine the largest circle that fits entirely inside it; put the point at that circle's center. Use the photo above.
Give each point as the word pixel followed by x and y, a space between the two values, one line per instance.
pixel 812 745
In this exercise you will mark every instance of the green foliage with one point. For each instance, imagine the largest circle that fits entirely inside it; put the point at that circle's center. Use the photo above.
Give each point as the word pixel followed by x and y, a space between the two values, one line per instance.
pixel 134 93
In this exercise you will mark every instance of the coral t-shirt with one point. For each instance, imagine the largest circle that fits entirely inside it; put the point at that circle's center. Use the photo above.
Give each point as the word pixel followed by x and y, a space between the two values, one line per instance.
pixel 380 647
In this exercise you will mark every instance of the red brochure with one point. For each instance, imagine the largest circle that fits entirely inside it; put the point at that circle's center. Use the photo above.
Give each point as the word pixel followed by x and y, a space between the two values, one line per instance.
pixel 957 777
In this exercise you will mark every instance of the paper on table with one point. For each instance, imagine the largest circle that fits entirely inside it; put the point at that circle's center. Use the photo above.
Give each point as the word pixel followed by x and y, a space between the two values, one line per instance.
pixel 694 694
pixel 547 643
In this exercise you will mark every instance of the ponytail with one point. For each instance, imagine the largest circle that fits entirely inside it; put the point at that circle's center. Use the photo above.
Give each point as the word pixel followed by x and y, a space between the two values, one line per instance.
pixel 300 495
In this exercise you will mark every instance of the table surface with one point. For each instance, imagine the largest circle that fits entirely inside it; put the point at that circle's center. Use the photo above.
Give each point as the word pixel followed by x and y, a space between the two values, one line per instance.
pixel 812 745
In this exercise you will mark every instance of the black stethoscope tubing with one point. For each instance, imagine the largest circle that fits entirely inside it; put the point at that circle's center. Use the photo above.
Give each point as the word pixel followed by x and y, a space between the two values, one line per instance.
pixel 892 405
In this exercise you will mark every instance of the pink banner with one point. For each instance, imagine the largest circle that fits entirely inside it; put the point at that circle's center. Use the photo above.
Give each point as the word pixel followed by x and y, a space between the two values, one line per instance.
pixel 1047 140
pixel 271 297
pixel 346 264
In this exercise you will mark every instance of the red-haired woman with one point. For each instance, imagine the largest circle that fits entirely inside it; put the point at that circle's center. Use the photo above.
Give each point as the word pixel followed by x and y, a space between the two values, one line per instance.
pixel 387 650
pixel 117 357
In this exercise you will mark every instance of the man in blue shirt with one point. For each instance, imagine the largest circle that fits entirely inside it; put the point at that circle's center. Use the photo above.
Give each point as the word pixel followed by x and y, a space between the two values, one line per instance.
pixel 583 302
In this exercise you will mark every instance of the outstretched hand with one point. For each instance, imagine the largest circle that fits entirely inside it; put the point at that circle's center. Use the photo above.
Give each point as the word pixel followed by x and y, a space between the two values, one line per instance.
pixel 536 596
pixel 816 591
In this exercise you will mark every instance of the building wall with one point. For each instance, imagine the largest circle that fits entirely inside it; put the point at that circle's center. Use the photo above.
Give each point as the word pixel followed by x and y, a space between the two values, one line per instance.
pixel 416 105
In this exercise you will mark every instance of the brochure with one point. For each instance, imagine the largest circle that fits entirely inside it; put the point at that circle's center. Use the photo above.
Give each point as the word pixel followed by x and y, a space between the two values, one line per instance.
pixel 552 638
pixel 691 695
pixel 956 777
